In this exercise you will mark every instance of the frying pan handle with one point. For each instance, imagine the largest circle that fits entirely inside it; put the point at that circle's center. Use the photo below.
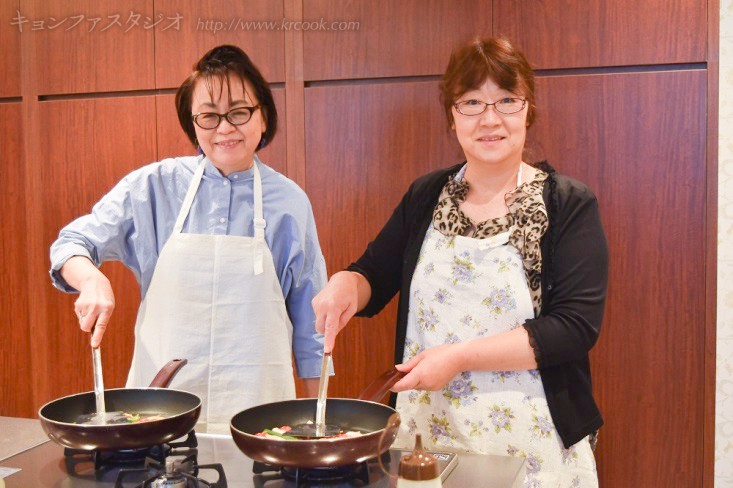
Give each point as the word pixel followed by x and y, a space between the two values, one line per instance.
pixel 377 389
pixel 167 373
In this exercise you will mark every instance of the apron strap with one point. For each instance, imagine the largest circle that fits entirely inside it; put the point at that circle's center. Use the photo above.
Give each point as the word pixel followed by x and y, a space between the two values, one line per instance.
pixel 259 222
pixel 188 200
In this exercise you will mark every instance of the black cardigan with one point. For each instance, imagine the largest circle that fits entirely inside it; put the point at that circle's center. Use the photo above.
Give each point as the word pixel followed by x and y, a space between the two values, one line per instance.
pixel 574 281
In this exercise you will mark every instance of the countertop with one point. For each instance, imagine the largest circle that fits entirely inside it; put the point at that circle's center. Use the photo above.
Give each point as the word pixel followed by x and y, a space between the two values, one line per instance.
pixel 18 435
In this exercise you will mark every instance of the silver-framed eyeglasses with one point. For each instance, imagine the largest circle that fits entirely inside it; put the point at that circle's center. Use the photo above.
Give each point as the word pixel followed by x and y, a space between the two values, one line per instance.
pixel 236 116
pixel 504 106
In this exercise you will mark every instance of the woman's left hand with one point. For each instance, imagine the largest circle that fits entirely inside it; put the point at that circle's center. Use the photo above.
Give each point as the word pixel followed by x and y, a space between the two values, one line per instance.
pixel 432 369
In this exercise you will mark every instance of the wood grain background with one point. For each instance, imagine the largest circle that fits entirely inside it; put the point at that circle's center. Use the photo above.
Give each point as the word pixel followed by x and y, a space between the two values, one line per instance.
pixel 626 103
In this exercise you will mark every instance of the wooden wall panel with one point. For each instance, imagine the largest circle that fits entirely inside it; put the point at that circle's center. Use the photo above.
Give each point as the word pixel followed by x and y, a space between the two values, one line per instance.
pixel 89 145
pixel 10 41
pixel 359 164
pixel 15 369
pixel 97 45
pixel 208 24
pixel 394 37
pixel 645 160
pixel 173 142
pixel 571 34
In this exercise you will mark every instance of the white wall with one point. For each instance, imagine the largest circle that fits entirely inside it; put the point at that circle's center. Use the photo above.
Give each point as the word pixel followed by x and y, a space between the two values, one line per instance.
pixel 724 393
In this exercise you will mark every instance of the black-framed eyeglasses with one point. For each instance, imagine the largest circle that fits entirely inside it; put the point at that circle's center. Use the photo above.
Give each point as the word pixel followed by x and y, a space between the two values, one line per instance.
pixel 504 106
pixel 236 116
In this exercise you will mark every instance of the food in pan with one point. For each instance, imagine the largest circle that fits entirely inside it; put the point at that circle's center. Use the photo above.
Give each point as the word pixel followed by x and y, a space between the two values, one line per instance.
pixel 116 418
pixel 139 418
pixel 281 433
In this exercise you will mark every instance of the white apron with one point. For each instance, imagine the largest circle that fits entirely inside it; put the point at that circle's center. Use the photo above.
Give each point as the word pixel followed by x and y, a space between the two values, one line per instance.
pixel 216 301
pixel 464 288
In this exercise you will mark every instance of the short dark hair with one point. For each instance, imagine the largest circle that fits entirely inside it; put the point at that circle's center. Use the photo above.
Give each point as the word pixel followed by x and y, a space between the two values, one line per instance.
pixel 494 58
pixel 219 63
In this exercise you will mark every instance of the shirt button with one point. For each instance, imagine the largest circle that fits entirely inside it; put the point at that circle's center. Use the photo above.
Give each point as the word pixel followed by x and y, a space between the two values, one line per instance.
pixel 222 220
pixel 226 182
pixel 236 177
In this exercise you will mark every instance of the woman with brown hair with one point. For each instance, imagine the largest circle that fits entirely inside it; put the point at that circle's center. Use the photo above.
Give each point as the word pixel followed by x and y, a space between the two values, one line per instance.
pixel 501 268
pixel 224 249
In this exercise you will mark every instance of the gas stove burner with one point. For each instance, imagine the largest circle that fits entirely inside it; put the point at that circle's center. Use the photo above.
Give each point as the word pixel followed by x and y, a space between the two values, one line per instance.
pixel 126 468
pixel 176 474
pixel 320 475
pixel 106 460
pixel 356 474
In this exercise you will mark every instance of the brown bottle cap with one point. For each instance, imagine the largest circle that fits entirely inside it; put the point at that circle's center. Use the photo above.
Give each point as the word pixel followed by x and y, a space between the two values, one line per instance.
pixel 419 464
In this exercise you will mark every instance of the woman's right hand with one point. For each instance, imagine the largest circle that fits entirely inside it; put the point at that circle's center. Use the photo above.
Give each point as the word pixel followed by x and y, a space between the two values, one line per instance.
pixel 96 300
pixel 345 294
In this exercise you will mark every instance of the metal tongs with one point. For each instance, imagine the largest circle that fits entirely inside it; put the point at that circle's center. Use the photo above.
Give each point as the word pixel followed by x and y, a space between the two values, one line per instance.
pixel 311 430
pixel 100 416
pixel 322 392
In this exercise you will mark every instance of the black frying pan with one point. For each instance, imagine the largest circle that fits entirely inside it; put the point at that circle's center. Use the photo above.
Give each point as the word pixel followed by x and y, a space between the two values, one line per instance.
pixel 364 415
pixel 180 409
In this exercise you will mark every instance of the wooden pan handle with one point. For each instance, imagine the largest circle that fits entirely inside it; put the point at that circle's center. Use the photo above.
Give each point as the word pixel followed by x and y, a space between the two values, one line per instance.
pixel 167 373
pixel 378 388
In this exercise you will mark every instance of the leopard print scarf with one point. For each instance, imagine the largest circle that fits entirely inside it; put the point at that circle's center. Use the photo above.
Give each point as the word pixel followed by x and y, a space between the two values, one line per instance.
pixel 527 220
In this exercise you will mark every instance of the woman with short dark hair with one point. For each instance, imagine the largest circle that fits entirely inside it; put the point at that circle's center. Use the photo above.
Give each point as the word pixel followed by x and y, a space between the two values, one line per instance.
pixel 224 249
pixel 501 268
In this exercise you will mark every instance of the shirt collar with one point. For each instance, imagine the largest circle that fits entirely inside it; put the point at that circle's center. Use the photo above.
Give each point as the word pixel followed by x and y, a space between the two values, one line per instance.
pixel 211 171
pixel 461 172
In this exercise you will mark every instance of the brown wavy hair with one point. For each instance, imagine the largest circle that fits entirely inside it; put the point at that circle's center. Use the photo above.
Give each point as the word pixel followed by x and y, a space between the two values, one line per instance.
pixel 472 63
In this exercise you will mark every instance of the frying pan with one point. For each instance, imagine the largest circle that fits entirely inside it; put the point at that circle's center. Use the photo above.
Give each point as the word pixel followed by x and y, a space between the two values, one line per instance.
pixel 180 409
pixel 364 414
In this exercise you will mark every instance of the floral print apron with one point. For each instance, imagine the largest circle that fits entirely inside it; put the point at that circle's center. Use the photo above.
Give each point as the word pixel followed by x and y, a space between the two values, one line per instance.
pixel 462 289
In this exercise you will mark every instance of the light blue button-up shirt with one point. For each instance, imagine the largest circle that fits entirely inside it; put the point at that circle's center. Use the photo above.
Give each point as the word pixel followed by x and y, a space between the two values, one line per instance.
pixel 134 220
